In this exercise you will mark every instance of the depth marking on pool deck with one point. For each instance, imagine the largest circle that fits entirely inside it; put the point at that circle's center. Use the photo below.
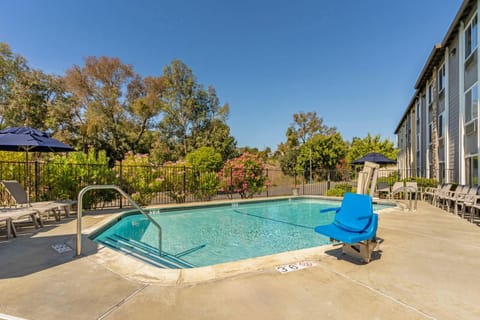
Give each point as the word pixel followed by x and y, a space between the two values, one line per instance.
pixel 295 266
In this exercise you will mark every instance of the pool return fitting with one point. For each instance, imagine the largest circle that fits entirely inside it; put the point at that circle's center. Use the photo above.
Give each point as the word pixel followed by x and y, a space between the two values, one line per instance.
pixel 126 196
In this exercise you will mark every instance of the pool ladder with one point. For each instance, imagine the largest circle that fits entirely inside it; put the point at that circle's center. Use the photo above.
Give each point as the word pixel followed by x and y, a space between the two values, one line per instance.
pixel 126 196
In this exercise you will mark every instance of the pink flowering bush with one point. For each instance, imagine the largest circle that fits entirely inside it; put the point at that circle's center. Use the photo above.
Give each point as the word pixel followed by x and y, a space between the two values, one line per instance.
pixel 244 175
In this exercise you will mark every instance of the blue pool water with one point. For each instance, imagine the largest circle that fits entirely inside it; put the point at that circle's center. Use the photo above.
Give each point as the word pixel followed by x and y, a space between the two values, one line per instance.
pixel 209 235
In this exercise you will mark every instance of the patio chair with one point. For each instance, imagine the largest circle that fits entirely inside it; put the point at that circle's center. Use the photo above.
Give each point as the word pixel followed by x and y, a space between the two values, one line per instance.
pixel 470 203
pixel 397 188
pixel 12 215
pixel 19 195
pixel 446 196
pixel 355 226
pixel 383 187
pixel 441 194
pixel 429 193
pixel 455 197
pixel 469 198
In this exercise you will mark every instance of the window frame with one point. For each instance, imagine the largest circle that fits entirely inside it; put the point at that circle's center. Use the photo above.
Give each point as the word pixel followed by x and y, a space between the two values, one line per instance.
pixel 441 125
pixel 441 79
pixel 471 37
pixel 429 94
pixel 473 110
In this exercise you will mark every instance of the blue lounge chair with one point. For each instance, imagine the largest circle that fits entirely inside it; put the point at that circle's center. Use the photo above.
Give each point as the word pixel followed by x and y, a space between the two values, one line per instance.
pixel 355 225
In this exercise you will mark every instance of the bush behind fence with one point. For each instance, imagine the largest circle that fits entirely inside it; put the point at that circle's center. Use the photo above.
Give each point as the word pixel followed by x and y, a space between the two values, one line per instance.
pixel 167 184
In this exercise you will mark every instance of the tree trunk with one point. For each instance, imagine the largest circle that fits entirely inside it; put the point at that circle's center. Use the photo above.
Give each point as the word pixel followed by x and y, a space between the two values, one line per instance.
pixel 434 126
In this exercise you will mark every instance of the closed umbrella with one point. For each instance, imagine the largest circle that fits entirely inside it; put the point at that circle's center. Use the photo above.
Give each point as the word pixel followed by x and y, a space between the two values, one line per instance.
pixel 26 139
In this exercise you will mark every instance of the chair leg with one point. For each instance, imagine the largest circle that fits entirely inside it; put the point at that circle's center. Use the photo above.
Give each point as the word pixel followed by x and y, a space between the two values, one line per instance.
pixel 11 231
pixel 361 250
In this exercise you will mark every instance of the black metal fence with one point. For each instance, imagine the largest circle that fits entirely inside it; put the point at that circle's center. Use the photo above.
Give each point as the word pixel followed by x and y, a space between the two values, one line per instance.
pixel 175 184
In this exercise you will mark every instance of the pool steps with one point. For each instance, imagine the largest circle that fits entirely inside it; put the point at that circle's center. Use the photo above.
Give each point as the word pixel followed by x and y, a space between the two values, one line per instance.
pixel 144 252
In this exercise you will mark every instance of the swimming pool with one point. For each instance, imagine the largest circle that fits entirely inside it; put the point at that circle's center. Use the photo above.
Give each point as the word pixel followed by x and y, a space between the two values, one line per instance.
pixel 208 235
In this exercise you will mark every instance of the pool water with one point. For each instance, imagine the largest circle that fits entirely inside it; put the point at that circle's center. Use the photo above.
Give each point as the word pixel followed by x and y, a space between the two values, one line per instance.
pixel 210 235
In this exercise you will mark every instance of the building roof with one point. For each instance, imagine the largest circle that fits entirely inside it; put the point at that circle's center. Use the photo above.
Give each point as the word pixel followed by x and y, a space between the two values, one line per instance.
pixel 437 53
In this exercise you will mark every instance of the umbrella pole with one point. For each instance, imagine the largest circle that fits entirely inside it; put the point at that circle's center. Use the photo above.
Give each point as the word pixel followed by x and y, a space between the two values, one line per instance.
pixel 28 178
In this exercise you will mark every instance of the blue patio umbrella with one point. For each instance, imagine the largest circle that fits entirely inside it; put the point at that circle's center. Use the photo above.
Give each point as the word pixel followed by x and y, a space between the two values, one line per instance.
pixel 30 140
pixel 374 157
pixel 26 139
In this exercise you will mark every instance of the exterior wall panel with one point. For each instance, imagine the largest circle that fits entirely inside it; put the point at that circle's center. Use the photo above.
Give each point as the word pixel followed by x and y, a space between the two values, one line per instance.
pixel 454 109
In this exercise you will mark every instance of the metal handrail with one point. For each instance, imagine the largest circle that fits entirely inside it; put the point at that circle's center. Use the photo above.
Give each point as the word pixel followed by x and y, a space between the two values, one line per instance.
pixel 123 193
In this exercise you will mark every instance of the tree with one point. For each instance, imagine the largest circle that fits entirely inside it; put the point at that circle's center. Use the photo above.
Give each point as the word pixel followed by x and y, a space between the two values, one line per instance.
pixel 303 129
pixel 191 114
pixel 101 118
pixel 321 152
pixel 360 147
pixel 145 103
pixel 26 95
pixel 306 125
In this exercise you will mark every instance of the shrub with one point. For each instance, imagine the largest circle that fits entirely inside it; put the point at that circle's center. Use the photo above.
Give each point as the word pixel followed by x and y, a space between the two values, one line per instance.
pixel 66 175
pixel 177 178
pixel 205 185
pixel 244 175
pixel 340 189
pixel 139 177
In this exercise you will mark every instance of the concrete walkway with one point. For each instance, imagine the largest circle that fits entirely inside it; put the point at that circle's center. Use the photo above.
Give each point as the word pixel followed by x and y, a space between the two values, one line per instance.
pixel 428 268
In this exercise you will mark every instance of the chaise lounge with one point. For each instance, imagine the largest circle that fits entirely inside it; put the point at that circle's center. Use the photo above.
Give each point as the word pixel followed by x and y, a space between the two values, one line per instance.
pixel 355 225
pixel 12 215
pixel 20 197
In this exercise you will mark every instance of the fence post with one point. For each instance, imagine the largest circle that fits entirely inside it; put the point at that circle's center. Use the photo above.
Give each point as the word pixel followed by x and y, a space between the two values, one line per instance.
pixel 184 183
pixel 120 175
pixel 267 183
pixel 230 187
pixel 328 181
pixel 36 180
pixel 303 183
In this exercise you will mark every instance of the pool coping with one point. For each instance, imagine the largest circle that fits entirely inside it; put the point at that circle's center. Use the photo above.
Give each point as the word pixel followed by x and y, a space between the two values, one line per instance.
pixel 134 269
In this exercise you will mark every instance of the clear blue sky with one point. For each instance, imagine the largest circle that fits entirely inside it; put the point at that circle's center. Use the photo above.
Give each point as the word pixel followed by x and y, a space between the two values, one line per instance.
pixel 354 62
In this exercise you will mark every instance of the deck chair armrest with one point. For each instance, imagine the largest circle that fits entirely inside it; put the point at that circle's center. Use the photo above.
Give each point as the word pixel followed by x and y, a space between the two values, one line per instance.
pixel 330 209
pixel 365 217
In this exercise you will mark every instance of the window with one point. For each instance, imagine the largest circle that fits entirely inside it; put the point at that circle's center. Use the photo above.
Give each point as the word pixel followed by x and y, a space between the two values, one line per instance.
pixel 471 166
pixel 471 37
pixel 429 94
pixel 441 79
pixel 441 168
pixel 471 104
pixel 440 125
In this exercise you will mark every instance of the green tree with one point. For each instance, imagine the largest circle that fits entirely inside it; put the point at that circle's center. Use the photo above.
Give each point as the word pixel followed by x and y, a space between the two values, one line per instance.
pixel 304 128
pixel 26 94
pixel 306 125
pixel 362 146
pixel 191 113
pixel 321 152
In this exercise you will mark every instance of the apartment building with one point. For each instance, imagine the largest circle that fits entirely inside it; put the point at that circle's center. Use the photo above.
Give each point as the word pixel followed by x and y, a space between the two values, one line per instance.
pixel 446 91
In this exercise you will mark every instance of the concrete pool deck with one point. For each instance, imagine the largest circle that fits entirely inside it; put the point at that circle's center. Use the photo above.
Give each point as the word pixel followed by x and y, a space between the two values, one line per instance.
pixel 427 268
